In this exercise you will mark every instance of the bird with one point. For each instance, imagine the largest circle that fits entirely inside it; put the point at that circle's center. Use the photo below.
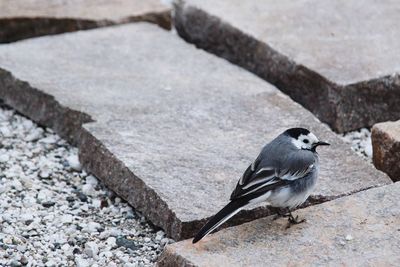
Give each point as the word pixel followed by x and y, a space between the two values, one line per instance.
pixel 283 175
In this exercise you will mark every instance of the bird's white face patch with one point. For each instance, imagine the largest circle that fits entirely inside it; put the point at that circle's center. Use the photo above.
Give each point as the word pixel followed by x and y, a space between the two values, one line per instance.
pixel 305 141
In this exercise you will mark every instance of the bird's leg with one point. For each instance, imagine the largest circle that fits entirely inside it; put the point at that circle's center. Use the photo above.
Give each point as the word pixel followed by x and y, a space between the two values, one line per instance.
pixel 294 220
pixel 280 212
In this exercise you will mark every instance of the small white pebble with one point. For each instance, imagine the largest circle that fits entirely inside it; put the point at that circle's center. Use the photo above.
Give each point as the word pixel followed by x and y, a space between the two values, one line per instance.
pixel 92 180
pixel 111 241
pixel 348 237
pixel 34 135
pixel 4 158
pixel 92 227
pixel 66 247
pixel 5 132
pixel 81 262
pixel 73 162
pixel 88 189
pixel 368 150
pixel 49 139
pixel 96 203
pixel 91 249
pixel 7 240
pixel 67 218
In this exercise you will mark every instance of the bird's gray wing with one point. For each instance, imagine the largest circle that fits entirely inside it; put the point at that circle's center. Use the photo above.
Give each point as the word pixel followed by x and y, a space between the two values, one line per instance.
pixel 297 165
pixel 261 177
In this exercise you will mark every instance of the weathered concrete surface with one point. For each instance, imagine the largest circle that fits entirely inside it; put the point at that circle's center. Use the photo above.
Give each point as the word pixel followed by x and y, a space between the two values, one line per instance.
pixel 338 58
pixel 358 230
pixel 386 148
pixel 20 19
pixel 175 126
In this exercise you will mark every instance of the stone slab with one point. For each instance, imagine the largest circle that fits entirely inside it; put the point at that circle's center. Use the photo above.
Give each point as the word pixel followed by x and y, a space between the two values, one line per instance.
pixel 386 148
pixel 337 58
pixel 167 126
pixel 358 230
pixel 20 19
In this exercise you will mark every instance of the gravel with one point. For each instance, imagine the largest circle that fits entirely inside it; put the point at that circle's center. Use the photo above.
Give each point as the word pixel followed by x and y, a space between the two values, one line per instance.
pixel 360 142
pixel 52 213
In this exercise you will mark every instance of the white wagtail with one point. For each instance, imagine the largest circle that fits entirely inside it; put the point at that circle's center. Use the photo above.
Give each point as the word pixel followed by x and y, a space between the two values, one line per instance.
pixel 284 175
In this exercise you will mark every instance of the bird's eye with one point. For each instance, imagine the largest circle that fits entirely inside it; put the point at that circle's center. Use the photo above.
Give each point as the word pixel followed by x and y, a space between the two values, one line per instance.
pixel 306 141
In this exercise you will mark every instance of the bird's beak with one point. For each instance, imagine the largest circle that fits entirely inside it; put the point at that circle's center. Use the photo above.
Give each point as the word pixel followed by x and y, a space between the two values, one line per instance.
pixel 320 143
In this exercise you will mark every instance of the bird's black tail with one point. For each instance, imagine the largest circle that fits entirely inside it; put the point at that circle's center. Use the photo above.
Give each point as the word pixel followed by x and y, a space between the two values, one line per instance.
pixel 222 216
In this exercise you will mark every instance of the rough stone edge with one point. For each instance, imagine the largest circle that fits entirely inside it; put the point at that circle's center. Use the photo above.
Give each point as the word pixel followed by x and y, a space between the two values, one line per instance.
pixel 387 161
pixel 169 258
pixel 97 159
pixel 19 28
pixel 41 107
pixel 330 102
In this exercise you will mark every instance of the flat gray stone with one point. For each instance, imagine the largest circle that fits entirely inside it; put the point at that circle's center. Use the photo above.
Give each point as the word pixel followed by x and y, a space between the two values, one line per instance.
pixel 339 59
pixel 358 230
pixel 386 148
pixel 20 19
pixel 172 127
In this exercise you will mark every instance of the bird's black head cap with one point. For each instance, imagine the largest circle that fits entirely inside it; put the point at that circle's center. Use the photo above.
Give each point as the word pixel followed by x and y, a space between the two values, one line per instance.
pixel 296 132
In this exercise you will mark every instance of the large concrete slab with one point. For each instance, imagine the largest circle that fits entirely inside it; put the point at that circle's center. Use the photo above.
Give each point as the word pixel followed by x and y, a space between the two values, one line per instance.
pixel 20 19
pixel 358 230
pixel 386 148
pixel 175 126
pixel 337 58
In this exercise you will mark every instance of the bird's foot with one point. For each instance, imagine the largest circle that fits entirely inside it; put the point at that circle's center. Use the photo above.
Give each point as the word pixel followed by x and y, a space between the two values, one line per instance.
pixel 294 220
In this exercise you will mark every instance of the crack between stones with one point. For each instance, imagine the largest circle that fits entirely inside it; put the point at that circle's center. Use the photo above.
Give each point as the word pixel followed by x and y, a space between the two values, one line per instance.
pixel 19 28
pixel 319 199
pixel 246 216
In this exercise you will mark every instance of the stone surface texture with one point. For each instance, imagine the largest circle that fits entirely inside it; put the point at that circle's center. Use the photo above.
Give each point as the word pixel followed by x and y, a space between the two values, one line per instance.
pixel 358 230
pixel 168 127
pixel 20 19
pixel 338 59
pixel 386 148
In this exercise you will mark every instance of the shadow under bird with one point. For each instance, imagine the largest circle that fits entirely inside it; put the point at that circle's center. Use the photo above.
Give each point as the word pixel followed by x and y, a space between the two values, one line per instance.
pixel 284 174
